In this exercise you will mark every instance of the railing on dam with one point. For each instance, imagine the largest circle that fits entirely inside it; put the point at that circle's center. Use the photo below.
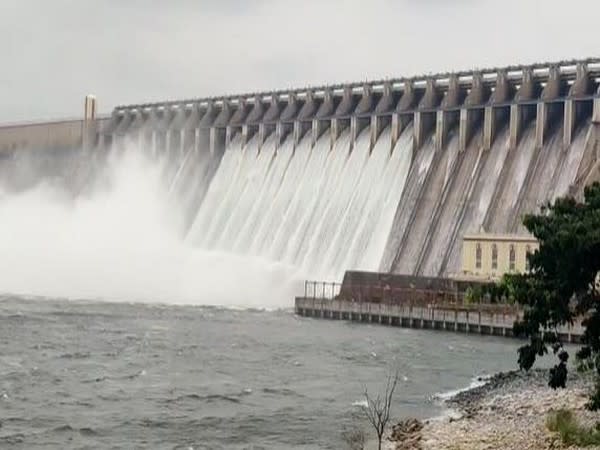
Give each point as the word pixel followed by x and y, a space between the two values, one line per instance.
pixel 321 289
pixel 363 293
pixel 414 308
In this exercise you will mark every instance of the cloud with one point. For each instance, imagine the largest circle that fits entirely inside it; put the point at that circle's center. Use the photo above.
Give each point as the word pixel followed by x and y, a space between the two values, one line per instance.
pixel 130 51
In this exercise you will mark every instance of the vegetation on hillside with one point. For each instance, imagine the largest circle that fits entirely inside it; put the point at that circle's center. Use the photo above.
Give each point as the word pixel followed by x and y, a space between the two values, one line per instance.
pixel 561 286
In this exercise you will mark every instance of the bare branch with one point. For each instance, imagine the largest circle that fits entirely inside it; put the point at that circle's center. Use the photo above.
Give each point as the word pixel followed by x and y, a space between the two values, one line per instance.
pixel 378 409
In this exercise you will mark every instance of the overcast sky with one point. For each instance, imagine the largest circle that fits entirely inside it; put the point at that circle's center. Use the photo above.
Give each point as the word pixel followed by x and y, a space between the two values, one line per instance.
pixel 126 51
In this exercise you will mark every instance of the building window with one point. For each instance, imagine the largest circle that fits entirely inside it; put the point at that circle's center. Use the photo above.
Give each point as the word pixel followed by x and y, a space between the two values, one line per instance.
pixel 478 256
pixel 527 252
pixel 511 258
pixel 494 257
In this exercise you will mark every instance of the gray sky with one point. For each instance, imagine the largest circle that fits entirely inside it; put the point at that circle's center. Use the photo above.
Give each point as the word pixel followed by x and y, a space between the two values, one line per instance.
pixel 125 51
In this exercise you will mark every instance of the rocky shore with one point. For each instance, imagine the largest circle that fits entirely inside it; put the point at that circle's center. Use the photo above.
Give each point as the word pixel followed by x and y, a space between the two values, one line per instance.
pixel 508 412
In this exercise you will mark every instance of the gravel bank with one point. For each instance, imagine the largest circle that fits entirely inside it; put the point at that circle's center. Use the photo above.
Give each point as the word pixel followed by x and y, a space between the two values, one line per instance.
pixel 509 412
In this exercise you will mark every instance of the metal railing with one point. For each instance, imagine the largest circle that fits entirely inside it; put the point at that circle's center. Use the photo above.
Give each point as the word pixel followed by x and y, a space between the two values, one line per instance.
pixel 321 289
pixel 421 297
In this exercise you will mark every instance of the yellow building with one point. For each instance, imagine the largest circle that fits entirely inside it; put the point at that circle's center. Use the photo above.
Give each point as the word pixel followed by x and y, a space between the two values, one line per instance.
pixel 490 256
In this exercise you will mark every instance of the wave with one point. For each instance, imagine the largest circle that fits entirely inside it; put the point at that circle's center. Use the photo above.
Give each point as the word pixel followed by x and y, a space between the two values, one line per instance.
pixel 211 398
pixel 476 382
pixel 281 391
pixel 85 431
pixel 76 355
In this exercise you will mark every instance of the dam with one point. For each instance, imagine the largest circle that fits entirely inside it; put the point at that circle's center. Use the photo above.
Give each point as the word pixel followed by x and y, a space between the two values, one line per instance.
pixel 382 176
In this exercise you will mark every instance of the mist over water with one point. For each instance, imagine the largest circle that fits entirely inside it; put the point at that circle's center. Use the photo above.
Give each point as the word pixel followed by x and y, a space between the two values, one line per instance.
pixel 120 240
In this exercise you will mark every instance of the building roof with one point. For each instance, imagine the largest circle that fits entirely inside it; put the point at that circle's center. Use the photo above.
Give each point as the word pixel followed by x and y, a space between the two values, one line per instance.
pixel 500 237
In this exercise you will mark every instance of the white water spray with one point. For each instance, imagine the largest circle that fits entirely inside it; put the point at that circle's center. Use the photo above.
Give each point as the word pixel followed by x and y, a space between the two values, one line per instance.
pixel 121 242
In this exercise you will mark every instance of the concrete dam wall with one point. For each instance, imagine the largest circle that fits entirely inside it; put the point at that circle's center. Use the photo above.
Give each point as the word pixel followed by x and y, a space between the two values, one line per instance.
pixel 386 175
pixel 51 149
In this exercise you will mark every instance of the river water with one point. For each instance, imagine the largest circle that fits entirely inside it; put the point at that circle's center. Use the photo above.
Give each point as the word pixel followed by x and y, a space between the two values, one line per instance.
pixel 77 374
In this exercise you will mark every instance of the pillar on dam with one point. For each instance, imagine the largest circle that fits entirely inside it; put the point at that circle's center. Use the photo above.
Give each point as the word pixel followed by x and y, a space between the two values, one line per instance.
pixel 166 115
pixel 143 130
pixel 90 130
pixel 176 133
pixel 136 127
pixel 172 134
pixel 206 122
pixel 575 107
pixel 322 121
pixel 149 131
pixel 194 134
pixel 447 115
pixel 134 131
pixel 497 111
pixel 186 130
pixel 488 127
pixel 514 125
pixel 425 115
pixel 250 127
pixel 152 135
pixel 383 110
pixel 341 121
pixel 471 115
pixel 90 108
pixel 237 120
pixel 160 133
pixel 546 109
pixel 263 132
pixel 208 117
pixel 521 111
pixel 123 122
pixel 365 107
pixel 402 115
pixel 303 121
pixel 285 126
pixel 219 126
pixel 268 123
pixel 596 108
pixel 569 122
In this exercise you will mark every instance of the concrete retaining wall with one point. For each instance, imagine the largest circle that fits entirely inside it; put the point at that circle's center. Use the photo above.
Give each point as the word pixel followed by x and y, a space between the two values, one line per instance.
pixel 482 319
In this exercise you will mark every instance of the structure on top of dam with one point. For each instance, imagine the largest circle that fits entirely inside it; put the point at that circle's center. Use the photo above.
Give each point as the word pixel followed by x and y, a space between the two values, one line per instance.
pixel 464 97
pixel 386 175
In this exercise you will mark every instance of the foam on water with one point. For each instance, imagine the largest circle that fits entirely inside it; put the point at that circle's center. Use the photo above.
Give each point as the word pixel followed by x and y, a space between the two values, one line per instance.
pixel 475 383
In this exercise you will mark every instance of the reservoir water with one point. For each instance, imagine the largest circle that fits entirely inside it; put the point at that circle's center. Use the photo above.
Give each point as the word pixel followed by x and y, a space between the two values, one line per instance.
pixel 80 374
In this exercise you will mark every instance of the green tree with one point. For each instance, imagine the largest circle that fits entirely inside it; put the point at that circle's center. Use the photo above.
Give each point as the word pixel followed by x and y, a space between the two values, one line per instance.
pixel 561 285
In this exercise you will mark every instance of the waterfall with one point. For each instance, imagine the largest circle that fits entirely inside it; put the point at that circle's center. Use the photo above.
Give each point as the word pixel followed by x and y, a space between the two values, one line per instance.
pixel 322 209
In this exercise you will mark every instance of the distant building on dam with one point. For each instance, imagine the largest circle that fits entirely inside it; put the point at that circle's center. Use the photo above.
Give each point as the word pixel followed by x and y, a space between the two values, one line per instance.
pixel 392 175
pixel 489 256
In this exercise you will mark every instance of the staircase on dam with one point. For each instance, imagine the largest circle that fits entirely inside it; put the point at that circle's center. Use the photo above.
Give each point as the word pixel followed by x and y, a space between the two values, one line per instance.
pixel 386 175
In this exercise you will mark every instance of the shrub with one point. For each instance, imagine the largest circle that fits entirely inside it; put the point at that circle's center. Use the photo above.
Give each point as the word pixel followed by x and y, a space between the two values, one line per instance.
pixel 571 433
